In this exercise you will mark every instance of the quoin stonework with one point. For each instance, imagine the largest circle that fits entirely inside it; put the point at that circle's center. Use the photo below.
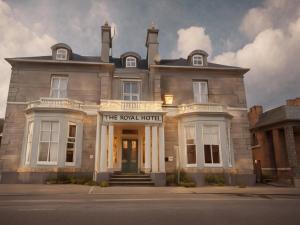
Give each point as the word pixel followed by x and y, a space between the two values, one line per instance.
pixel 105 115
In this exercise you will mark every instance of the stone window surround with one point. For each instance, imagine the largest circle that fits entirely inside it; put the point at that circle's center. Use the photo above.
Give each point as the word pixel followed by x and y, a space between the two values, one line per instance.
pixel 63 120
pixel 225 147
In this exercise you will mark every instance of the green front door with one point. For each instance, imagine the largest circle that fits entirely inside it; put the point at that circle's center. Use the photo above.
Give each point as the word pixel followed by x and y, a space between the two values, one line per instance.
pixel 129 155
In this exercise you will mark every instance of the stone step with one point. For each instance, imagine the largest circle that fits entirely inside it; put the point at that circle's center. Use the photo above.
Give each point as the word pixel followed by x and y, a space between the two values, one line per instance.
pixel 129 176
pixel 131 183
pixel 130 179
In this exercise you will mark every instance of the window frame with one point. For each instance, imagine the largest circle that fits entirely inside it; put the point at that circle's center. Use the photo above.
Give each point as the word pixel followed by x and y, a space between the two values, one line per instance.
pixel 130 62
pixel 58 142
pixel 29 140
pixel 75 144
pixel 59 85
pixel 63 55
pixel 185 145
pixel 200 98
pixel 220 164
pixel 196 61
pixel 130 94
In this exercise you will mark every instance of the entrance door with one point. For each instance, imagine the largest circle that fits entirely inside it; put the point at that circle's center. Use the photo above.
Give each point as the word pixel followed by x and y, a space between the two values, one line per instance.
pixel 130 155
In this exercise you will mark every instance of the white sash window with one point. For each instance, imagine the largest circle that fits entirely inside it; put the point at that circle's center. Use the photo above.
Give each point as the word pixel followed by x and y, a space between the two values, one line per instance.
pixel 71 144
pixel 200 91
pixel 211 141
pixel 49 140
pixel 29 143
pixel 190 144
pixel 59 87
pixel 61 54
pixel 131 90
pixel 130 61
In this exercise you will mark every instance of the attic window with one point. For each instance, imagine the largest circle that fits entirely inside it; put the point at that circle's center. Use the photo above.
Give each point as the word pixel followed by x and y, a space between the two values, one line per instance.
pixel 197 60
pixel 130 61
pixel 61 54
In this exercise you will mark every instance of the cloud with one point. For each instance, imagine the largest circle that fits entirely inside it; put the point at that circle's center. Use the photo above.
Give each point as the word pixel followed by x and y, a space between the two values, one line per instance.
pixel 273 14
pixel 190 39
pixel 271 56
pixel 17 40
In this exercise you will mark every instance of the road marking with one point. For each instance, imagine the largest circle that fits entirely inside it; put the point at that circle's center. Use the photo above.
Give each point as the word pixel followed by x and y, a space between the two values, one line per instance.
pixel 91 190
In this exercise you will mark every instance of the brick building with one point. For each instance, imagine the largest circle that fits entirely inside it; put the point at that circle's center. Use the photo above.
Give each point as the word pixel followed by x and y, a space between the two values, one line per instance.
pixel 276 140
pixel 68 113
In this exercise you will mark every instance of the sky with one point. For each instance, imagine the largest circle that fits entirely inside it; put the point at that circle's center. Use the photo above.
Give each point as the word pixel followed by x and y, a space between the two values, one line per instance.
pixel 263 35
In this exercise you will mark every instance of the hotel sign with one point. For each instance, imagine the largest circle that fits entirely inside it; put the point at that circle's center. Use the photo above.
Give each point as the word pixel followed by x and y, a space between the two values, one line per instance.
pixel 132 117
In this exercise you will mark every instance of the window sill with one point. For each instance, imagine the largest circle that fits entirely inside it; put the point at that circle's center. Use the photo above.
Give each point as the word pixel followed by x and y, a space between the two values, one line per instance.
pixel 46 163
pixel 255 146
pixel 213 165
pixel 191 165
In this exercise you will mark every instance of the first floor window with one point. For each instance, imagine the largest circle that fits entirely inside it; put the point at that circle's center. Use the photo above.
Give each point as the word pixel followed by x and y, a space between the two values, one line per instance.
pixel 211 144
pixel 59 87
pixel 49 140
pixel 190 134
pixel 71 143
pixel 29 143
pixel 131 90
pixel 200 91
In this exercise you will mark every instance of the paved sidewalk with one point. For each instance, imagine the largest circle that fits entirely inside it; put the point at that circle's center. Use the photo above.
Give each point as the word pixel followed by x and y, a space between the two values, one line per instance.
pixel 41 189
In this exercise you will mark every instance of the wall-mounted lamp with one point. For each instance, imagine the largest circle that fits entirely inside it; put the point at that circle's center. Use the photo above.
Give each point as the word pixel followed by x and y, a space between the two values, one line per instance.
pixel 169 99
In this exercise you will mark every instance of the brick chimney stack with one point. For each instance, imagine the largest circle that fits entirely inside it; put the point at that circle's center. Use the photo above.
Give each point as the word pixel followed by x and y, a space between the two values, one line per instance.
pixel 152 44
pixel 106 42
pixel 254 114
pixel 293 102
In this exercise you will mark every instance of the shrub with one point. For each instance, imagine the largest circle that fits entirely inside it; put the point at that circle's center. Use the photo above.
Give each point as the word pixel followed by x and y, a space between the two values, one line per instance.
pixel 214 179
pixel 104 184
pixel 187 184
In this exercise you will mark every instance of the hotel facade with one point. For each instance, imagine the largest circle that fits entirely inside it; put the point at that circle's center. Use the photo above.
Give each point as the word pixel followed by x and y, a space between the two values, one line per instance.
pixel 99 116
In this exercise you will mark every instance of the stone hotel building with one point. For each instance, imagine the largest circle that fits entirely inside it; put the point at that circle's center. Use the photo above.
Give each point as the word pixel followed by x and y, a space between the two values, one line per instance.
pixel 102 116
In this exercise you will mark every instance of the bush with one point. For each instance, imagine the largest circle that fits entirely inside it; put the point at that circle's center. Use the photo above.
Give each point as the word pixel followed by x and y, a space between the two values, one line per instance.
pixel 104 184
pixel 187 184
pixel 171 179
pixel 67 179
pixel 214 179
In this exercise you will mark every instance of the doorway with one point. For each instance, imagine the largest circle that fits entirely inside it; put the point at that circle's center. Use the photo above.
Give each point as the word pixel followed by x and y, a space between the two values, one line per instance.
pixel 129 155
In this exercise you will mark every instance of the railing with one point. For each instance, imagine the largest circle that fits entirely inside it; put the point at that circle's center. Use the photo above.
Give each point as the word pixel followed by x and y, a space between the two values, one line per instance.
pixel 59 103
pixel 190 108
pixel 130 106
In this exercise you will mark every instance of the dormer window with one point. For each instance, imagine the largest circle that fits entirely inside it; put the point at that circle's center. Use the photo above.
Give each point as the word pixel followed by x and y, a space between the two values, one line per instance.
pixel 130 61
pixel 197 60
pixel 61 54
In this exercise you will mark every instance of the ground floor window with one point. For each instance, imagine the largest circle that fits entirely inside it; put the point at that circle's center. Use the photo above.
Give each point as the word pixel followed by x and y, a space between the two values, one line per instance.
pixel 190 134
pixel 71 143
pixel 29 143
pixel 49 139
pixel 211 145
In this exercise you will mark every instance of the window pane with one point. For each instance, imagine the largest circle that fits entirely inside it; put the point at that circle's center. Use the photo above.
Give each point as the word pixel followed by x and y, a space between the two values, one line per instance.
pixel 70 145
pixel 134 87
pixel 126 97
pixel 63 84
pixel 54 94
pixel 46 126
pixel 45 136
pixel 134 98
pixel 191 154
pixel 72 130
pixel 55 83
pixel 53 152
pixel 43 151
pixel 207 154
pixel 55 126
pixel 215 153
pixel 126 87
pixel 70 156
pixel 63 94
pixel 54 137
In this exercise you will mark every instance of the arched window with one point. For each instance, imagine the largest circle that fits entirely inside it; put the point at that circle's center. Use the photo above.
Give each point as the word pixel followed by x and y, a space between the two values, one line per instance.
pixel 61 54
pixel 130 61
pixel 197 60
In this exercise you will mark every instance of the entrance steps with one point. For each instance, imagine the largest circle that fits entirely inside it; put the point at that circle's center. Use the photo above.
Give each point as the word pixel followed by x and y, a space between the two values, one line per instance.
pixel 130 180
